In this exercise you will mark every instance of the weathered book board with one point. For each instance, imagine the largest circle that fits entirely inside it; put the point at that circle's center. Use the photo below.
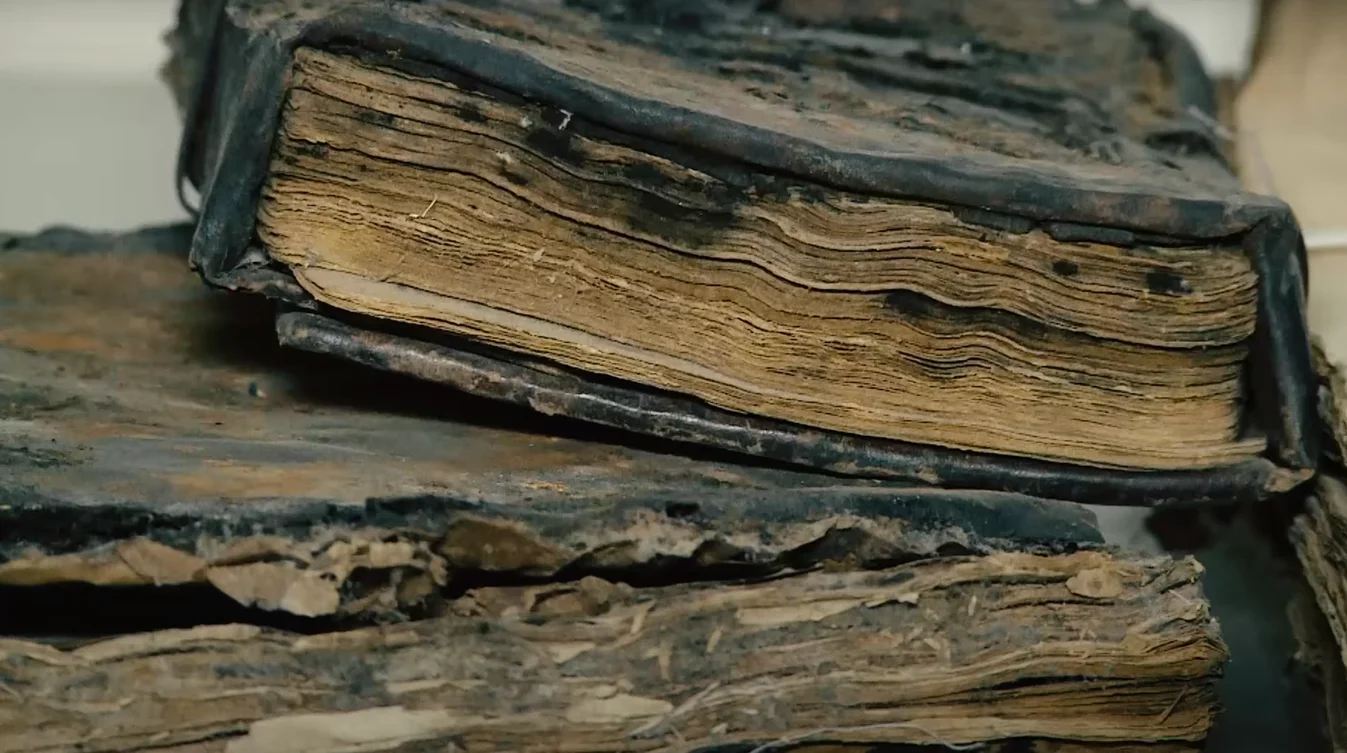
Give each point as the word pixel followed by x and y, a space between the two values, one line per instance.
pixel 1175 188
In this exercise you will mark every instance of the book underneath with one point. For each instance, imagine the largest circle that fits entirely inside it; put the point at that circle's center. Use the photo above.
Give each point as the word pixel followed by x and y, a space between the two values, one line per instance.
pixel 211 544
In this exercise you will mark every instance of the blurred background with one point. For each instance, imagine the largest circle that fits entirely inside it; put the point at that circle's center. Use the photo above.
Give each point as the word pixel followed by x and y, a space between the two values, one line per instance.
pixel 88 134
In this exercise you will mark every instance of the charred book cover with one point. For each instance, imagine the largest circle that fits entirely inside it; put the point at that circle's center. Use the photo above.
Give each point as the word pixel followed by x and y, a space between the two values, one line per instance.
pixel 988 245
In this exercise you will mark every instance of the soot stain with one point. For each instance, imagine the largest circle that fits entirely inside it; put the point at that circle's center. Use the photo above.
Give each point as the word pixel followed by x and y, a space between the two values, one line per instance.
pixel 665 218
pixel 645 174
pixel 553 139
pixel 1165 282
pixel 913 305
pixel 761 188
pixel 312 149
pixel 375 117
pixel 556 118
pixel 469 113
pixel 1066 268
pixel 514 177
pixel 694 213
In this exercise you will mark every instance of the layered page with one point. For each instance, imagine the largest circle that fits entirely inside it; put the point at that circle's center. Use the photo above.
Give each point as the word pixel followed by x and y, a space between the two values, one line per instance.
pixel 417 198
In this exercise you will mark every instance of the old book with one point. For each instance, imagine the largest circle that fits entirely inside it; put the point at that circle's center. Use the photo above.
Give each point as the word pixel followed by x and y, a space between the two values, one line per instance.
pixel 949 653
pixel 1318 656
pixel 832 309
pixel 948 244
pixel 208 543
pixel 1320 543
pixel 1319 536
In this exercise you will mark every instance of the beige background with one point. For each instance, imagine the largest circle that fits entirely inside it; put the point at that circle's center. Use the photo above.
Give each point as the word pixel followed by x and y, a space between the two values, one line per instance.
pixel 87 133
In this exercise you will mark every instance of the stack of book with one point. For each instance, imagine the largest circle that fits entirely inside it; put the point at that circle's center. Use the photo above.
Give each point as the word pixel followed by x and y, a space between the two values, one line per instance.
pixel 748 364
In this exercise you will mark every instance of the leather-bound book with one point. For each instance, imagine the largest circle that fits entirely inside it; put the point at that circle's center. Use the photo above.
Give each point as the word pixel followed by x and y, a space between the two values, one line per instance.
pixel 985 245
